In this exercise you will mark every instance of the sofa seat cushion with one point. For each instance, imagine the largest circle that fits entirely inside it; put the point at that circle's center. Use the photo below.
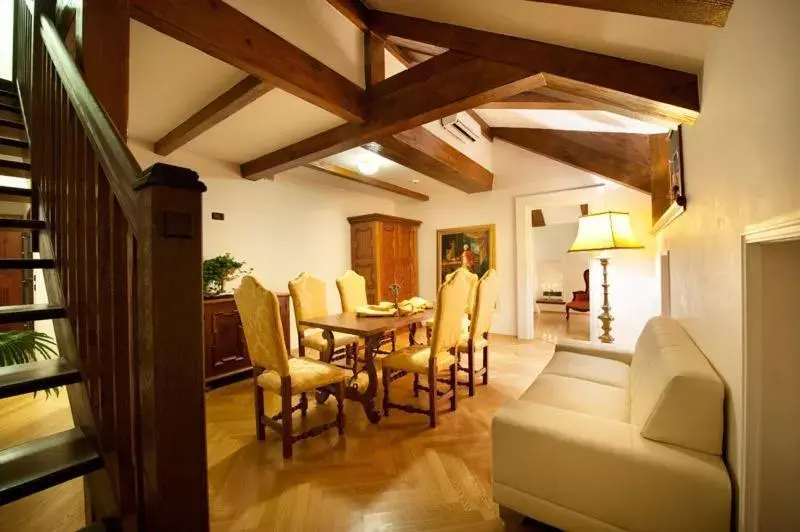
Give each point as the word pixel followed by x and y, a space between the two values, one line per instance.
pixel 578 395
pixel 589 368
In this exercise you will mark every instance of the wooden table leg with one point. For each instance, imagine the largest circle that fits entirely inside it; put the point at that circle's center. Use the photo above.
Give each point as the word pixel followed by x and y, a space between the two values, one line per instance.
pixel 369 396
pixel 322 394
pixel 412 330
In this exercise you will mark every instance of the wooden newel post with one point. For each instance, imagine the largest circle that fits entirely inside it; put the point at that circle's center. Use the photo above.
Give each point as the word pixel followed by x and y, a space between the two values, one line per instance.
pixel 170 350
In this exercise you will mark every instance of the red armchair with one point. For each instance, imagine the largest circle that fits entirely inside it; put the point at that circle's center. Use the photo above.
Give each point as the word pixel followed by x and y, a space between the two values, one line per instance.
pixel 580 298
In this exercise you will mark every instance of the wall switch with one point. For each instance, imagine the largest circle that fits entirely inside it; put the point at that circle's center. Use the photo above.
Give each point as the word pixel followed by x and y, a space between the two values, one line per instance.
pixel 217 215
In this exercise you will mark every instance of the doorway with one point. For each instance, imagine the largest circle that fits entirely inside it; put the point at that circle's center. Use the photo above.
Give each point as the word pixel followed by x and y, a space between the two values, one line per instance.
pixel 771 478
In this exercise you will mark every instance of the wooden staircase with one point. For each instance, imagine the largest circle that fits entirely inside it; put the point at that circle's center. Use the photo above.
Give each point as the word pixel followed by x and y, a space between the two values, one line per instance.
pixel 120 252
pixel 35 465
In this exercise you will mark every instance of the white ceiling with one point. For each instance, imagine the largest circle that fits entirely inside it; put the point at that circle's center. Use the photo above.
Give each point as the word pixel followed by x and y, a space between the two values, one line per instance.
pixel 600 121
pixel 170 81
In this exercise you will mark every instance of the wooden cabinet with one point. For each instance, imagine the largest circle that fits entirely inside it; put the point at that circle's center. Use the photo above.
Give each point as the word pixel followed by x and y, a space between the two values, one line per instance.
pixel 383 249
pixel 225 345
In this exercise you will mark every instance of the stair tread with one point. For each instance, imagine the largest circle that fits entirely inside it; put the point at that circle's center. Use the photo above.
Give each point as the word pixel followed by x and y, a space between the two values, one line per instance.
pixel 14 143
pixel 24 264
pixel 12 123
pixel 39 464
pixel 33 376
pixel 23 313
pixel 10 107
pixel 5 163
pixel 16 191
pixel 22 223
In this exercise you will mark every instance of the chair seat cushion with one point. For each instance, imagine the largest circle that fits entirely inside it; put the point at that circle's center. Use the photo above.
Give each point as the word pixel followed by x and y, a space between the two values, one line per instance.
pixel 578 395
pixel 415 359
pixel 318 343
pixel 307 374
pixel 463 344
pixel 589 368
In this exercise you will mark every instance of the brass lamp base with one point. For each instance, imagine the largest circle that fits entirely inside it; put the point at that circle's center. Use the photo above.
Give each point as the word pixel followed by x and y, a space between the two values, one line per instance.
pixel 605 317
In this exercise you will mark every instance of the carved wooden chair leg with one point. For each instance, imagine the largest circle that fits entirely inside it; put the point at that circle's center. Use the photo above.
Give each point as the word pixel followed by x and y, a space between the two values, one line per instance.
pixel 387 379
pixel 301 349
pixel 471 367
pixel 416 384
pixel 486 364
pixel 394 341
pixel 567 313
pixel 303 404
pixel 258 395
pixel 340 407
pixel 428 334
pixel 286 415
pixel 354 348
pixel 432 392
pixel 453 385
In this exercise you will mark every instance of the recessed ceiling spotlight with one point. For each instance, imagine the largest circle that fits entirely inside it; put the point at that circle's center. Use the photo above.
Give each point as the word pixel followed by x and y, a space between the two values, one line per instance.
pixel 368 166
pixel 415 181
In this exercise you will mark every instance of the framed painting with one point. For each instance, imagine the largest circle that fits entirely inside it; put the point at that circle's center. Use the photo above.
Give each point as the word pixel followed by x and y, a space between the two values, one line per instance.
pixel 473 247
pixel 668 194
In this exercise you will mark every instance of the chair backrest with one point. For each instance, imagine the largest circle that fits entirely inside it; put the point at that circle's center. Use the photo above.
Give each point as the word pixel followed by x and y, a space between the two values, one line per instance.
pixel 487 291
pixel 352 291
pixel 473 294
pixel 308 298
pixel 450 303
pixel 261 321
pixel 676 396
pixel 586 281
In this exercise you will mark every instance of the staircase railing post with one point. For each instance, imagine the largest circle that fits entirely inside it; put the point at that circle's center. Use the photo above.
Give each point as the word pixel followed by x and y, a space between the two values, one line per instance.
pixel 170 350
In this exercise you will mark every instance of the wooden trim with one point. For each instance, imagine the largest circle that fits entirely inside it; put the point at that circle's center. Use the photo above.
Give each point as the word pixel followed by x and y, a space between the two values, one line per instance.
pixel 486 130
pixel 538 100
pixel 537 219
pixel 621 157
pixel 378 217
pixel 374 60
pixel 706 12
pixel 350 175
pixel 424 152
pixel 223 32
pixel 234 99
pixel 441 86
pixel 584 209
pixel 628 84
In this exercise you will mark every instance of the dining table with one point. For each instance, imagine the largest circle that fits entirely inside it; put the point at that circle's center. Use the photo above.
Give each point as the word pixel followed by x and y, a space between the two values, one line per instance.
pixel 363 385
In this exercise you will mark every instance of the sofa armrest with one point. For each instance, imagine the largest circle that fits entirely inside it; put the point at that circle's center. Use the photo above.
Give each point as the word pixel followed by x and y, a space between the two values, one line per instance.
pixel 597 350
pixel 606 470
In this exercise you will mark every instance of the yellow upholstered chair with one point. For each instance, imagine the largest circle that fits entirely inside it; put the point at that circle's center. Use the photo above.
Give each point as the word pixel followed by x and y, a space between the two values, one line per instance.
pixel 470 303
pixel 353 293
pixel 275 372
pixel 437 357
pixel 309 301
pixel 477 338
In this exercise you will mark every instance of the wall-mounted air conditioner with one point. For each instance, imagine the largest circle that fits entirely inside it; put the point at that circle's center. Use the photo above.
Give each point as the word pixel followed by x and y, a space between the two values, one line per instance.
pixel 462 126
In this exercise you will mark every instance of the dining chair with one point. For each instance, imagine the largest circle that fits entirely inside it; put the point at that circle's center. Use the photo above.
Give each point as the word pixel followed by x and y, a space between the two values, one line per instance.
pixel 309 301
pixel 470 304
pixel 276 373
pixel 477 338
pixel 353 294
pixel 435 358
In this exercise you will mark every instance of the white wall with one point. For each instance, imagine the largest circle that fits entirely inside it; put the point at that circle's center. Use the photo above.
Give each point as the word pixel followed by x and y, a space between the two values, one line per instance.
pixel 554 265
pixel 6 37
pixel 741 168
pixel 280 228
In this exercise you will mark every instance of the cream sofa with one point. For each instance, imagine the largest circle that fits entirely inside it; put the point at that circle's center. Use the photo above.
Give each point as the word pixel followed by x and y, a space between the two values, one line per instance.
pixel 608 440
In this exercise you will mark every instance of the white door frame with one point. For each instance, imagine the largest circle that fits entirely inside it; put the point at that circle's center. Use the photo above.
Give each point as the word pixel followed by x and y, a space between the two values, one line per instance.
pixel 782 229
pixel 524 205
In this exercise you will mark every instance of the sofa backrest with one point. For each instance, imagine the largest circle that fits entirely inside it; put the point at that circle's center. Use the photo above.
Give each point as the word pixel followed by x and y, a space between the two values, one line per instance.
pixel 676 396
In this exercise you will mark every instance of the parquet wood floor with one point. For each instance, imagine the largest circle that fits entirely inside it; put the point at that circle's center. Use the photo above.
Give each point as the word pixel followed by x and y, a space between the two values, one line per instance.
pixel 399 475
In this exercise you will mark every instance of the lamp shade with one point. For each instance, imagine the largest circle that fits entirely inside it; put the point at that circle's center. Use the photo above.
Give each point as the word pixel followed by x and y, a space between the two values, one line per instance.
pixel 605 230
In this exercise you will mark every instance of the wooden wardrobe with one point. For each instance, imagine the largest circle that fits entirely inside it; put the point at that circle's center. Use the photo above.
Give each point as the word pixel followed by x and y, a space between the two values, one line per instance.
pixel 383 249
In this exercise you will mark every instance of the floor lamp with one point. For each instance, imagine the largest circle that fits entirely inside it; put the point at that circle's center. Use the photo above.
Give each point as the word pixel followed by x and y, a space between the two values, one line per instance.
pixel 602 232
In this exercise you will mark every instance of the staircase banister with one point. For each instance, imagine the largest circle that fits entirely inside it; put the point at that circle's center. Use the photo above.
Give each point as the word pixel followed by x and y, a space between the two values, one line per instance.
pixel 120 167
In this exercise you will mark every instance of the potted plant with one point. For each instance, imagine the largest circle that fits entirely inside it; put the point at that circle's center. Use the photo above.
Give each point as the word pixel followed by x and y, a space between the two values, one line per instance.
pixel 21 347
pixel 218 270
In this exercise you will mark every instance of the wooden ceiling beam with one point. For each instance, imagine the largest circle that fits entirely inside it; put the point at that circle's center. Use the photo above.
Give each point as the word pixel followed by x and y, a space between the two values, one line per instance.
pixel 537 100
pixel 221 31
pixel 621 157
pixel 706 12
pixel 350 175
pixel 439 87
pixel 353 10
pixel 627 84
pixel 537 218
pixel 234 99
pixel 422 151
pixel 374 60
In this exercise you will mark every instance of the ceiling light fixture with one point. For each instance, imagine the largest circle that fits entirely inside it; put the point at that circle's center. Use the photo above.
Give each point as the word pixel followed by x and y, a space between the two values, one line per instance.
pixel 368 166
pixel 415 181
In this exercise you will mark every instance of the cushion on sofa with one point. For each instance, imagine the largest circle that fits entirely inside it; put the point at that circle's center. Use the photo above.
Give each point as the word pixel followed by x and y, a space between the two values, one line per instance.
pixel 676 396
pixel 589 368
pixel 578 395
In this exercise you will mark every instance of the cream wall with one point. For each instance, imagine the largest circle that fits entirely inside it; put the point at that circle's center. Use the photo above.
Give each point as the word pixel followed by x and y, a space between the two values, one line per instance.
pixel 741 168
pixel 6 37
pixel 554 265
pixel 280 228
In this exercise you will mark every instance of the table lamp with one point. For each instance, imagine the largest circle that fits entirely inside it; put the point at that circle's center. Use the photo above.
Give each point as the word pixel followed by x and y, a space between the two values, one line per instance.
pixel 601 232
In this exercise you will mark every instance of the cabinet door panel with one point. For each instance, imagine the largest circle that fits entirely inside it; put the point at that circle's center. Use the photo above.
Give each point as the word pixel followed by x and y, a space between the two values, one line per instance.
pixel 406 261
pixel 388 260
pixel 227 352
